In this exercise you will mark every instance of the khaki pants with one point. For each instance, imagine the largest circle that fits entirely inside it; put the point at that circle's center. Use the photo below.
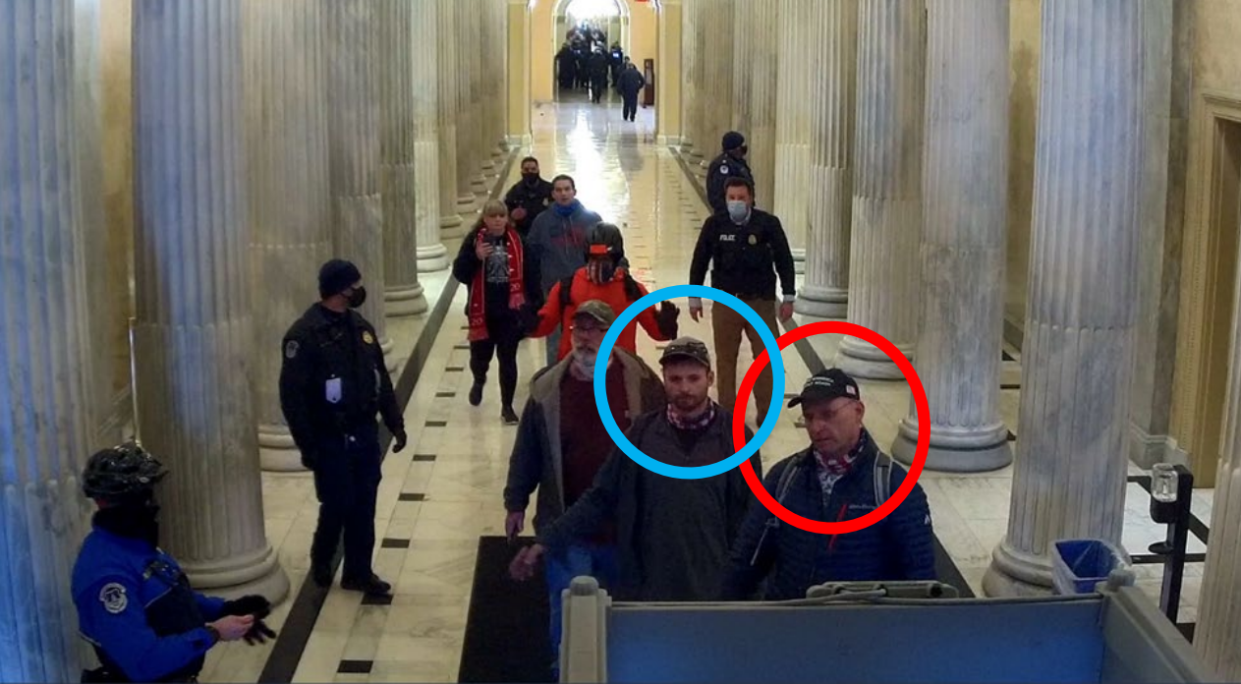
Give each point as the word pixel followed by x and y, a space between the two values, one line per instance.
pixel 728 326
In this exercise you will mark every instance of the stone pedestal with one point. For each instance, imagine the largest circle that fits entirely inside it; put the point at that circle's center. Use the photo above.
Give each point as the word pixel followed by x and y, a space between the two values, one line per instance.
pixel 395 62
pixel 965 212
pixel 353 120
pixel 432 254
pixel 1069 478
pixel 792 170
pixel 194 331
pixel 291 209
pixel 832 93
pixel 883 260
pixel 1219 614
pixel 46 353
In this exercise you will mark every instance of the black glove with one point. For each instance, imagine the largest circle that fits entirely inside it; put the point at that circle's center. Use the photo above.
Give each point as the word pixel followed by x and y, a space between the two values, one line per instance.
pixel 666 319
pixel 255 605
pixel 259 633
pixel 309 459
pixel 401 439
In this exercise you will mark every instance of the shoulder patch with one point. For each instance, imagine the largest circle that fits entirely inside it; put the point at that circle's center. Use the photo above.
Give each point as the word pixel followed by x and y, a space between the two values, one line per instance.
pixel 724 168
pixel 113 598
pixel 290 349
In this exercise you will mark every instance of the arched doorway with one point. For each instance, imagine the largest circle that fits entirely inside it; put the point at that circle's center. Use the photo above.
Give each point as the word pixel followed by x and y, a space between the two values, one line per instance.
pixel 581 28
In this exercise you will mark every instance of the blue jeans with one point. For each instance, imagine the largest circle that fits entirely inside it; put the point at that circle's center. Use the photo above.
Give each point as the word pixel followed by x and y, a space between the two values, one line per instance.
pixel 576 561
pixel 553 346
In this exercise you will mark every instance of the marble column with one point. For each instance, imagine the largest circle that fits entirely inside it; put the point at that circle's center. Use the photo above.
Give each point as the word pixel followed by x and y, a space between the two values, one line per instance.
pixel 719 98
pixel 47 347
pixel 486 54
pixel 1219 613
pixel 353 144
pixel 883 259
pixel 291 213
pixel 194 330
pixel 832 97
pixel 403 293
pixel 792 170
pixel 470 148
pixel 452 227
pixel 965 212
pixel 757 77
pixel 1069 478
pixel 691 64
pixel 744 40
pixel 432 254
pixel 451 38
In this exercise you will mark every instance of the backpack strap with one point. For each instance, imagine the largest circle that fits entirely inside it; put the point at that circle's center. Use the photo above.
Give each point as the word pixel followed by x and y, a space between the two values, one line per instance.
pixel 787 477
pixel 566 293
pixel 634 294
pixel 883 477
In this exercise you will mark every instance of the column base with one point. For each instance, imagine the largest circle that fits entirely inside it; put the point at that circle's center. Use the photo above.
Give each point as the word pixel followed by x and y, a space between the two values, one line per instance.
pixel 822 302
pixel 667 140
pixel 467 205
pixel 433 258
pixel 451 226
pixel 955 450
pixel 862 359
pixel 256 572
pixel 405 301
pixel 799 260
pixel 478 185
pixel 278 453
pixel 1013 573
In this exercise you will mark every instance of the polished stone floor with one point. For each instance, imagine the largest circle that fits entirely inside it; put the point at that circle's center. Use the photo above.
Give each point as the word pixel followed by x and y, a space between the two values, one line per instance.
pixel 444 491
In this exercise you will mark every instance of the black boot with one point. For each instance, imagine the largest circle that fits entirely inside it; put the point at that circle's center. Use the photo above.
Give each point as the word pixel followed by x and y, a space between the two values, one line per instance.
pixel 371 586
pixel 476 393
pixel 321 574
pixel 508 415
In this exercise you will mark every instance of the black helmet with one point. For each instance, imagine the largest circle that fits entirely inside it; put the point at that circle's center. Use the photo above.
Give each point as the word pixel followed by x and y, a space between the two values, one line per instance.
pixel 605 239
pixel 125 471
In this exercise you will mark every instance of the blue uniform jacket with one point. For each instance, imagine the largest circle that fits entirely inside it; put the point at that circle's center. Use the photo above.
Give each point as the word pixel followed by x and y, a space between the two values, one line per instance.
pixel 115 580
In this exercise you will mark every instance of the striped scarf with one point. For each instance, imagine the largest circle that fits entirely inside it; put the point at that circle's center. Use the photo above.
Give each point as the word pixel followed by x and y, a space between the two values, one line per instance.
pixel 516 283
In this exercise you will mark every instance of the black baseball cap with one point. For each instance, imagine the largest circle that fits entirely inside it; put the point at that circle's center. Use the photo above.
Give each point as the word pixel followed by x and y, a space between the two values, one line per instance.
pixel 686 348
pixel 828 384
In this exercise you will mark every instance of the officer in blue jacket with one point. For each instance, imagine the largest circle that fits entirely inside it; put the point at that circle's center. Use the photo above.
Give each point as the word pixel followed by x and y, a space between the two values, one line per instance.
pixel 841 476
pixel 135 605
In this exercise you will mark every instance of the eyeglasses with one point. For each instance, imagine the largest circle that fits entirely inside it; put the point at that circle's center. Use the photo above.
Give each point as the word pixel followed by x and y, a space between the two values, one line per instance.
pixel 587 329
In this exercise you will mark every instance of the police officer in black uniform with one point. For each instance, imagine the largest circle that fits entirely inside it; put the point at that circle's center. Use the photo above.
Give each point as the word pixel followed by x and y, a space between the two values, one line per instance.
pixel 135 605
pixel 747 249
pixel 730 164
pixel 332 383
pixel 528 197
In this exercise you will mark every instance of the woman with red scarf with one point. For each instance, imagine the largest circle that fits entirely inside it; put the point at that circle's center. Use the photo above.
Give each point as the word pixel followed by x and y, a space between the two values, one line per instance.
pixel 504 294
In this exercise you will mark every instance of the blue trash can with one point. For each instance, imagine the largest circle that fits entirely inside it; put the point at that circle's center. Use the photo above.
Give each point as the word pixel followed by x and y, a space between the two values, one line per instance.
pixel 1080 564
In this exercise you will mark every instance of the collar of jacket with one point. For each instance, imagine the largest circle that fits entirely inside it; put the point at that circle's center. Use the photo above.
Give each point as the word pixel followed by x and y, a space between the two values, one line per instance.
pixel 323 318
pixel 867 452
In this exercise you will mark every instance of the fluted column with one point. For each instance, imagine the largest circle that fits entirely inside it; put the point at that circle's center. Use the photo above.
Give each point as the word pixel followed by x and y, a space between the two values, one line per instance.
pixel 45 346
pixel 194 332
pixel 883 260
pixel 691 65
pixel 755 92
pixel 965 212
pixel 353 124
pixel 432 254
pixel 452 36
pixel 1219 614
pixel 792 170
pixel 448 79
pixel 1069 480
pixel 470 147
pixel 488 50
pixel 719 100
pixel 832 97
pixel 403 293
pixel 291 214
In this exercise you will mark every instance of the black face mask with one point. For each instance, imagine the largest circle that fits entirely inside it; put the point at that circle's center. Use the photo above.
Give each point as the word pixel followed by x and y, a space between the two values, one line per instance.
pixel 358 298
pixel 131 520
pixel 530 178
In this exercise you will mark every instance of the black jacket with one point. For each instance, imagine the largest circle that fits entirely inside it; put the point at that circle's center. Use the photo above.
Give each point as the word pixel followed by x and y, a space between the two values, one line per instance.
pixel 631 82
pixel 673 535
pixel 534 199
pixel 899 547
pixel 722 168
pixel 744 259
pixel 502 322
pixel 333 379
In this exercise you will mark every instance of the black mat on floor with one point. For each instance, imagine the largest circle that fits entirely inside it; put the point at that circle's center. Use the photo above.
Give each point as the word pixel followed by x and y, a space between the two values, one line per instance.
pixel 506 632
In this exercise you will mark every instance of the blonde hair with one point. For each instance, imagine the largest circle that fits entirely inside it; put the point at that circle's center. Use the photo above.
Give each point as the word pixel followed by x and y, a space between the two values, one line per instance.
pixel 494 208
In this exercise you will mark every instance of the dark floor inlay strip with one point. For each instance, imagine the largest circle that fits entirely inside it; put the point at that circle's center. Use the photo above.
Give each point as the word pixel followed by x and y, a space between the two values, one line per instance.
pixel 389 543
pixel 445 395
pixel 437 423
pixel 412 496
pixel 1010 387
pixel 355 667
pixel 1012 437
pixel 422 458
pixel 1006 356
pixel 373 600
pixel 455 369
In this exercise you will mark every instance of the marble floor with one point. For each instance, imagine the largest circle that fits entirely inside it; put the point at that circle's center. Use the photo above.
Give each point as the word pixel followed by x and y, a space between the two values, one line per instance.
pixel 444 490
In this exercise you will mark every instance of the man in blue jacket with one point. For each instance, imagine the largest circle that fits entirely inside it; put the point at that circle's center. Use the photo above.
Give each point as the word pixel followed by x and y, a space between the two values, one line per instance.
pixel 135 605
pixel 841 476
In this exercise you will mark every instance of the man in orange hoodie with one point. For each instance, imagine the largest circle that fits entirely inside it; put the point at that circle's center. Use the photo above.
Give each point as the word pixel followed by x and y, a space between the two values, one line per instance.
pixel 605 278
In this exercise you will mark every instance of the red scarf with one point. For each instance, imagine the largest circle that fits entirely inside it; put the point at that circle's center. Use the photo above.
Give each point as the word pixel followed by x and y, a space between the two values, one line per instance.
pixel 516 283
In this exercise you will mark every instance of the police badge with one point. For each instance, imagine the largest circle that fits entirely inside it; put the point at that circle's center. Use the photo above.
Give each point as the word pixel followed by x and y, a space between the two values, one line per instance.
pixel 113 598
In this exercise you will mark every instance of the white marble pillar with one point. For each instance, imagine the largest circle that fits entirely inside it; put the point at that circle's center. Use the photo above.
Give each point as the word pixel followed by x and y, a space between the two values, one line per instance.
pixel 743 39
pixel 291 205
pixel 965 212
pixel 45 345
pixel 486 54
pixel 760 36
pixel 793 106
pixel 690 65
pixel 353 144
pixel 194 332
pixel 432 254
pixel 1069 478
pixel 718 102
pixel 832 96
pixel 471 148
pixel 448 78
pixel 403 293
pixel 887 210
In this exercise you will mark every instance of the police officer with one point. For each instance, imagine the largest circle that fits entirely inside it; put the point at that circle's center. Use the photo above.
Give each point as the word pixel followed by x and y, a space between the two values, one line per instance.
pixel 528 197
pixel 747 249
pixel 332 383
pixel 135 605
pixel 730 164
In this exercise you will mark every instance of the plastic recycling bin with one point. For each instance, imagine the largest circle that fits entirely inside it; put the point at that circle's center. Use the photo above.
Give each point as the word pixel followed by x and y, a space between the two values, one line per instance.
pixel 1078 565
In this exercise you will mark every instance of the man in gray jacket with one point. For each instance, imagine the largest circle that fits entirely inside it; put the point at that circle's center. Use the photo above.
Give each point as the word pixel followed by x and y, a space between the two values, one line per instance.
pixel 672 535
pixel 561 444
pixel 557 241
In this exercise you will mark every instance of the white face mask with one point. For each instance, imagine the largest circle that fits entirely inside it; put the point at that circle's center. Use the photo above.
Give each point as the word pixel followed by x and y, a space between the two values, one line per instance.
pixel 738 210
